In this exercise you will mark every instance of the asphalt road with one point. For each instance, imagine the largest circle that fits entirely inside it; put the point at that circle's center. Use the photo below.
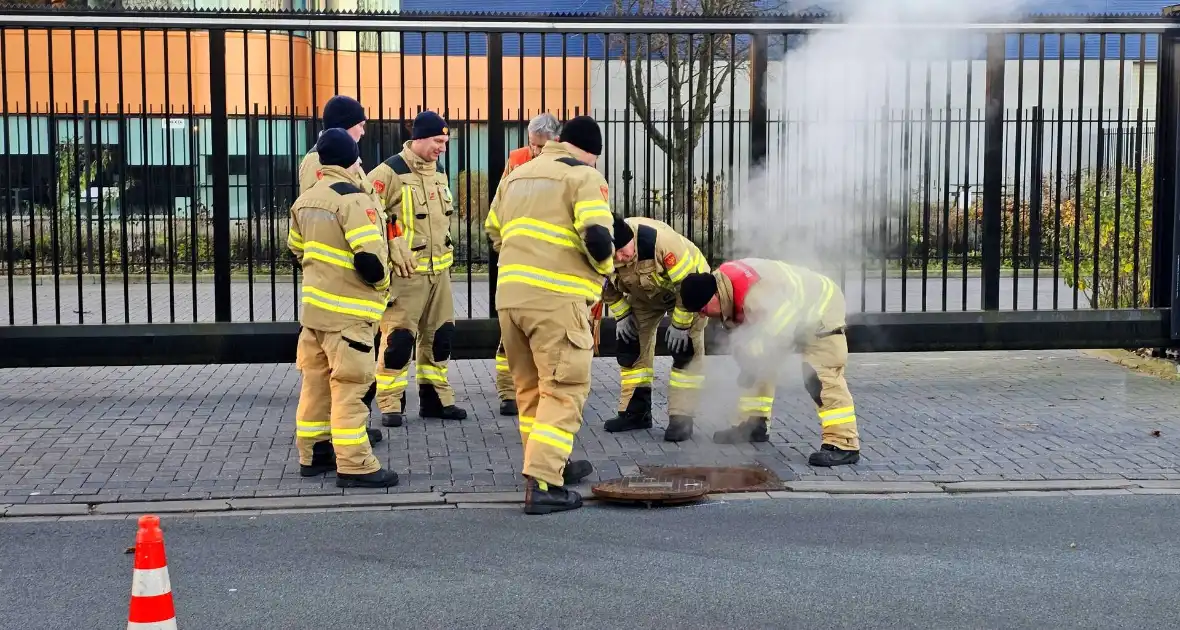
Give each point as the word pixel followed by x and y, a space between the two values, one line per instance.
pixel 803 563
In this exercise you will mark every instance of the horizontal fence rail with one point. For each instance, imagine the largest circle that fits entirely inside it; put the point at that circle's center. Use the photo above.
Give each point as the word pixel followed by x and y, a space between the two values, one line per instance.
pixel 149 160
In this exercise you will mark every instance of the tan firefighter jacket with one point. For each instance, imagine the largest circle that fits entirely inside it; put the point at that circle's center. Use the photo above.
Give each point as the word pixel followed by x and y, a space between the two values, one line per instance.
pixel 663 258
pixel 331 224
pixel 538 220
pixel 419 204
pixel 780 306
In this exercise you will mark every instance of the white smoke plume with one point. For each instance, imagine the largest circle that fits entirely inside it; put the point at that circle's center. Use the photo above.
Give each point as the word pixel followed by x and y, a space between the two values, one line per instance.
pixel 819 199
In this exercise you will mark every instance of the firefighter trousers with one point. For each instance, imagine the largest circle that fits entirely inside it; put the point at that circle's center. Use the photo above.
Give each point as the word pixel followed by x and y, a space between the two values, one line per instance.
pixel 824 359
pixel 419 321
pixel 550 351
pixel 504 387
pixel 337 368
pixel 637 361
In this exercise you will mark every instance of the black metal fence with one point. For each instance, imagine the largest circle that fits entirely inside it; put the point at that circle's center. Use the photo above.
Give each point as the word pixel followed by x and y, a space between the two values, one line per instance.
pixel 1008 183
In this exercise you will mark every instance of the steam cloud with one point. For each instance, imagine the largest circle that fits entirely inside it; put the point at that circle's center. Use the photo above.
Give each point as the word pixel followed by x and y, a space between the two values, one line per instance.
pixel 820 196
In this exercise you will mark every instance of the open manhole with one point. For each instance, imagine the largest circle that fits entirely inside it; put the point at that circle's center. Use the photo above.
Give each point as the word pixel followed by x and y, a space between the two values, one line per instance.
pixel 751 478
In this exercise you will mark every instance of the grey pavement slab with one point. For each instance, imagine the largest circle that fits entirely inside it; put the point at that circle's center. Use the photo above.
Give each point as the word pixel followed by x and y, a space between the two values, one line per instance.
pixel 221 432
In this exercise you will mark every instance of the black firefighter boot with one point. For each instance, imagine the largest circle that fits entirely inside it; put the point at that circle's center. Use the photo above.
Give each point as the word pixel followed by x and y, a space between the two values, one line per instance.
pixel 395 418
pixel 828 456
pixel 323 460
pixel 576 470
pixel 750 430
pixel 636 416
pixel 375 435
pixel 679 428
pixel 380 478
pixel 430 406
pixel 542 498
pixel 508 407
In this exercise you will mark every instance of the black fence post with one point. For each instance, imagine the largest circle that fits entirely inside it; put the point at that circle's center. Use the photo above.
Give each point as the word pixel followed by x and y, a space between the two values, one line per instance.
pixel 219 159
pixel 758 131
pixel 993 171
pixel 1165 232
pixel 496 152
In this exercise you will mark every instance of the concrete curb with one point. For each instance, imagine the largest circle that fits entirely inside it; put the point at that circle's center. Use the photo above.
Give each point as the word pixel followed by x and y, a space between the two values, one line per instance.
pixel 446 499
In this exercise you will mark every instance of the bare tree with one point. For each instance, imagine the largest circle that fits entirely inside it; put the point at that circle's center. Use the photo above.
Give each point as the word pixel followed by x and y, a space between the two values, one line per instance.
pixel 697 69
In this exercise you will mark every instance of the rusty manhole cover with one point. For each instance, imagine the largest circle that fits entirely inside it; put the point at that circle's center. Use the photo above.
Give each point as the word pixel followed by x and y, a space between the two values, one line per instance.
pixel 651 489
pixel 750 478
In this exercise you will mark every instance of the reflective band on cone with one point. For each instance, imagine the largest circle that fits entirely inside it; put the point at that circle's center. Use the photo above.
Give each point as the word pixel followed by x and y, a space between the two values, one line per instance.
pixel 151 590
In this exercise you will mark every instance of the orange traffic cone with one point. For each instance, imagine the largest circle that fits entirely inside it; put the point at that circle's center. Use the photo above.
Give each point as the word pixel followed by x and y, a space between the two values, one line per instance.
pixel 151 591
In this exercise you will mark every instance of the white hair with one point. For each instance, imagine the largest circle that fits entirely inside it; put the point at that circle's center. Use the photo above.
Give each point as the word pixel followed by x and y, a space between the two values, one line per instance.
pixel 545 124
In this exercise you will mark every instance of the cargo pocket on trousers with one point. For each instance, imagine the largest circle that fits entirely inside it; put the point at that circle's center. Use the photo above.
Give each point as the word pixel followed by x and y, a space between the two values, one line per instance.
pixel 355 361
pixel 574 363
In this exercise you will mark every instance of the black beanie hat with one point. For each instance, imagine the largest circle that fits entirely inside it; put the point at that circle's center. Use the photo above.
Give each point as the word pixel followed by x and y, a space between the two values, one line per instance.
pixel 428 125
pixel 696 290
pixel 623 233
pixel 343 112
pixel 336 148
pixel 583 132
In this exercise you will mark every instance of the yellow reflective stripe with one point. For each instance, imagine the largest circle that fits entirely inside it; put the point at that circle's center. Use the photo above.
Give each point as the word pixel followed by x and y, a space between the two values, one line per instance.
pixel 362 235
pixel 492 222
pixel 843 415
pixel 349 437
pixel 315 250
pixel 788 310
pixel 756 403
pixel 821 305
pixel 680 270
pixel 367 309
pixel 390 382
pixel 383 285
pixel 682 318
pixel 501 363
pixel 295 239
pixel 636 376
pixel 408 214
pixel 587 210
pixel 540 230
pixel 620 309
pixel 549 280
pixel 432 374
pixel 526 424
pixel 305 429
pixel 685 380
pixel 557 438
pixel 439 263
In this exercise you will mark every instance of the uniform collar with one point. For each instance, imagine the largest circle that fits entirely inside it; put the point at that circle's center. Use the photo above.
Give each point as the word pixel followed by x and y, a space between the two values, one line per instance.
pixel 556 149
pixel 415 162
pixel 333 174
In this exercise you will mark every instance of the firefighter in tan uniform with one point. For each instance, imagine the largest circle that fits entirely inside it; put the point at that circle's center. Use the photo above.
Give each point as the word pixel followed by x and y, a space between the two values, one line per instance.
pixel 651 260
pixel 341 112
pixel 775 309
pixel 336 237
pixel 552 226
pixel 543 128
pixel 420 318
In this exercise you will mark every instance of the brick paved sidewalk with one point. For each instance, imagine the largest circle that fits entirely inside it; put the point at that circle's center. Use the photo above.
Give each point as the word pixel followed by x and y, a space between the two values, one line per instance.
pixel 150 433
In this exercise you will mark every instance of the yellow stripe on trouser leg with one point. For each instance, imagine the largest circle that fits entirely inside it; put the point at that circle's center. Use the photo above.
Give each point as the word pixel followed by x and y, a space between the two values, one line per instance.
pixel 505 386
pixel 431 375
pixel 349 437
pixel 306 429
pixel 760 406
pixel 550 435
pixel 314 412
pixel 525 424
pixel 636 377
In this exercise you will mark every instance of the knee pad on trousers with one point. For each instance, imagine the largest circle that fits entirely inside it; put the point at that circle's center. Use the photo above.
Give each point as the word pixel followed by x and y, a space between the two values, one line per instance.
pixel 441 347
pixel 398 348
pixel 627 353
pixel 812 384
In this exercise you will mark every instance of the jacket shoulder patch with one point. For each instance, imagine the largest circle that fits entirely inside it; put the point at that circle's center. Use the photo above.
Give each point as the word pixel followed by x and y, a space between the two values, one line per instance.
pixel 345 188
pixel 569 161
pixel 645 242
pixel 669 260
pixel 398 164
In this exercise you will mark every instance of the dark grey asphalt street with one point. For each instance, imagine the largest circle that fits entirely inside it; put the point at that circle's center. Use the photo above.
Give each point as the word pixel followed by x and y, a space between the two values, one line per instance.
pixel 803 563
